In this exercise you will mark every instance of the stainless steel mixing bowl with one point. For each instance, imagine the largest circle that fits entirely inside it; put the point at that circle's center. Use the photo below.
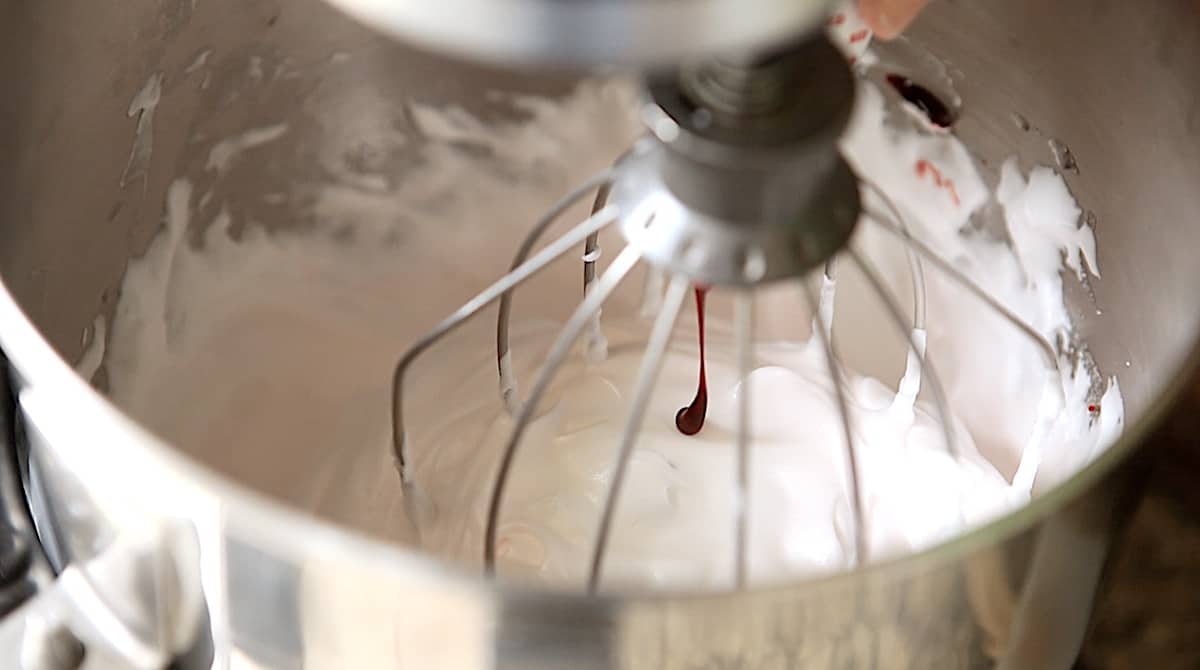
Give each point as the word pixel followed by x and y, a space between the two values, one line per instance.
pixel 154 545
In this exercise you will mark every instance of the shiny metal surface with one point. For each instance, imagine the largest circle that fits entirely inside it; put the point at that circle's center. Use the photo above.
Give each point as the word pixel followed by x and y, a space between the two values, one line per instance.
pixel 823 331
pixel 503 287
pixel 591 32
pixel 726 249
pixel 745 184
pixel 1116 82
pixel 136 605
pixel 580 319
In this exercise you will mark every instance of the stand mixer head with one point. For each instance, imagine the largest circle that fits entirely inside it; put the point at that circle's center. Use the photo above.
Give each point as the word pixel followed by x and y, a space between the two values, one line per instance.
pixel 556 33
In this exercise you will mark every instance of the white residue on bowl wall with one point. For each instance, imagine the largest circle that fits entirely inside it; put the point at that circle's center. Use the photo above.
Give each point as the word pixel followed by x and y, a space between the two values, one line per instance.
pixel 93 349
pixel 142 108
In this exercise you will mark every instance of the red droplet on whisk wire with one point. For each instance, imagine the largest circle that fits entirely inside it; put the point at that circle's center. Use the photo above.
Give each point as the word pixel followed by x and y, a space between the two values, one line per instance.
pixel 690 420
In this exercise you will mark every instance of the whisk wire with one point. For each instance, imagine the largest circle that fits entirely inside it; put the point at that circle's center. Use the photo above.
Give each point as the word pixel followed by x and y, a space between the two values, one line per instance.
pixel 927 370
pixel 602 181
pixel 826 305
pixel 743 315
pixel 916 269
pixel 604 287
pixel 648 374
pixel 822 331
pixel 591 248
pixel 585 322
pixel 595 344
pixel 901 231
pixel 504 286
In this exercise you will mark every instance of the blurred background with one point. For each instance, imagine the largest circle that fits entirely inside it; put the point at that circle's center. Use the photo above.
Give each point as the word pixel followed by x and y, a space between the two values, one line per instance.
pixel 1148 614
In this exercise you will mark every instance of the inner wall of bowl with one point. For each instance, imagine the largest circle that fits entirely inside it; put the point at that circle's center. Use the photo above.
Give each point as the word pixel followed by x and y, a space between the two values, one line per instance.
pixel 84 173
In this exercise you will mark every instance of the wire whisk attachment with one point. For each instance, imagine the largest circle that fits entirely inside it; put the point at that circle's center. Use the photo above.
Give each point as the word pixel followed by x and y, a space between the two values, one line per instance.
pixel 736 198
